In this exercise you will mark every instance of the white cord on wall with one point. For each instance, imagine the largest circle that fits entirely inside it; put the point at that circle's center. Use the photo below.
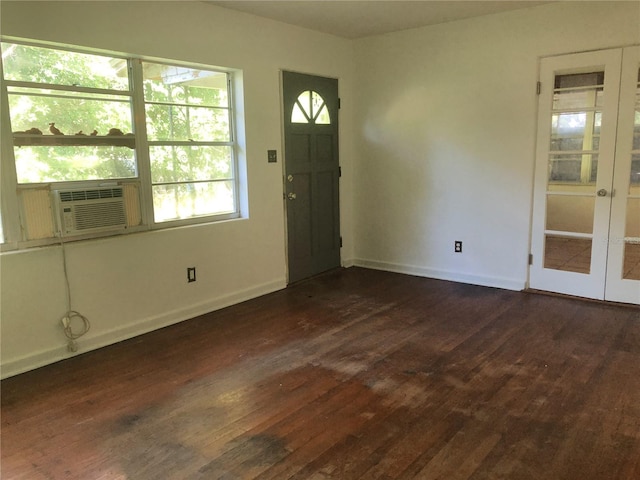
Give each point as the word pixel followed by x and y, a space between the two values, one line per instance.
pixel 66 320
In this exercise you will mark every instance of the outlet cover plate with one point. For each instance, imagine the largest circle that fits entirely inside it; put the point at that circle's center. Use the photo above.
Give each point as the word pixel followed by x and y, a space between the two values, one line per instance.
pixel 191 274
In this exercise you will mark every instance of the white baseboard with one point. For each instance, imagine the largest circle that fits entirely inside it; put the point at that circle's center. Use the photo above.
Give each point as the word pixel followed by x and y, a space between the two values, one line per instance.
pixel 48 356
pixel 348 262
pixel 497 282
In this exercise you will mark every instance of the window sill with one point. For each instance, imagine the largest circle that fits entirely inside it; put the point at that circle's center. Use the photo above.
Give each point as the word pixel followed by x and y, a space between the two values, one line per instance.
pixel 53 241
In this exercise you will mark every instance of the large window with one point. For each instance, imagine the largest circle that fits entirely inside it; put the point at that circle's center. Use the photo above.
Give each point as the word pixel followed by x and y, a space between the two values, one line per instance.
pixel 164 132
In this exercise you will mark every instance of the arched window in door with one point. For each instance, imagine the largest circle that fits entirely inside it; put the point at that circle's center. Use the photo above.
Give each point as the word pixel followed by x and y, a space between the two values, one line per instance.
pixel 310 108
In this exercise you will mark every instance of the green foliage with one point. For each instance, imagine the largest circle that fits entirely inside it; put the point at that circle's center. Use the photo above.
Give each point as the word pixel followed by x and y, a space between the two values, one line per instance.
pixel 58 67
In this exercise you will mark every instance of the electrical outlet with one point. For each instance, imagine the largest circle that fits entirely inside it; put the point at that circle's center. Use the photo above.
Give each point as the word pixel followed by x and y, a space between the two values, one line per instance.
pixel 191 274
pixel 457 246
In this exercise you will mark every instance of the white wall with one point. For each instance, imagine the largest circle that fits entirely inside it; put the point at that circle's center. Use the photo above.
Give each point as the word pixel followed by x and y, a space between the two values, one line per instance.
pixel 446 117
pixel 136 283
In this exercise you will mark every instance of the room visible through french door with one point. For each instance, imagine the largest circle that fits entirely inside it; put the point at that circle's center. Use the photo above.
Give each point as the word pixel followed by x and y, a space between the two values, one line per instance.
pixel 586 211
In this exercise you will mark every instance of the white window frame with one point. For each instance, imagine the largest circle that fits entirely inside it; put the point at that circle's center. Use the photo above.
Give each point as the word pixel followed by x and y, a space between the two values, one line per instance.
pixel 11 215
pixel 136 66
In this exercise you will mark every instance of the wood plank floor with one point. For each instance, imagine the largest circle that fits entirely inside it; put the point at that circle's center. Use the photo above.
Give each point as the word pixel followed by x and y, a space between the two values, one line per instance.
pixel 356 374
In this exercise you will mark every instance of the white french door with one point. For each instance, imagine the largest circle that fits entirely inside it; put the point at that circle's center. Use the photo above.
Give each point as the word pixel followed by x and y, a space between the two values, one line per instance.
pixel 586 211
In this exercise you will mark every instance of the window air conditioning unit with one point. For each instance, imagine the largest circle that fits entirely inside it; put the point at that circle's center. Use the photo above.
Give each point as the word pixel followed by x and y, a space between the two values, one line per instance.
pixel 90 210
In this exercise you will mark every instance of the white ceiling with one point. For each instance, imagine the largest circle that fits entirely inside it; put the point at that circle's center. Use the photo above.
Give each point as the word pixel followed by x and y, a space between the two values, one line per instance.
pixel 362 18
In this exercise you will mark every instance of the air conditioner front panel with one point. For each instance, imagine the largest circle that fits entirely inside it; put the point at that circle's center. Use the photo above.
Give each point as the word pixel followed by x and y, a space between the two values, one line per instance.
pixel 93 210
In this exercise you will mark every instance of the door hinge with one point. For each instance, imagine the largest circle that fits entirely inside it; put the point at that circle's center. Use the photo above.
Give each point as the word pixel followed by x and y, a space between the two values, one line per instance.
pixel 531 259
pixel 339 172
pixel 340 241
pixel 339 103
pixel 538 88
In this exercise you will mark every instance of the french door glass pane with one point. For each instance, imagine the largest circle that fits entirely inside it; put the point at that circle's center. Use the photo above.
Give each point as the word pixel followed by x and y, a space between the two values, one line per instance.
pixel 570 213
pixel 573 168
pixel 574 99
pixel 632 228
pixel 634 180
pixel 568 254
pixel 578 91
pixel 631 269
pixel 578 80
pixel 575 131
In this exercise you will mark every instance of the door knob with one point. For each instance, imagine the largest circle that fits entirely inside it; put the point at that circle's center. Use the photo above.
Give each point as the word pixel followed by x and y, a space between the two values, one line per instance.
pixel 602 192
pixel 291 196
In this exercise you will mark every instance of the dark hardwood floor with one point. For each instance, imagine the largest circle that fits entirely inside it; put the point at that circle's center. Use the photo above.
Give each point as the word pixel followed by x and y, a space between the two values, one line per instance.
pixel 356 374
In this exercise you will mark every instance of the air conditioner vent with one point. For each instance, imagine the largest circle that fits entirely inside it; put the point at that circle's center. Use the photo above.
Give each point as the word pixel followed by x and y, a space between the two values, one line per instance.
pixel 93 194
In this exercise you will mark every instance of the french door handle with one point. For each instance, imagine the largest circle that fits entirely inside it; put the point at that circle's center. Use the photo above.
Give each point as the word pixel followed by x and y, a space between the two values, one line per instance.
pixel 292 196
pixel 602 192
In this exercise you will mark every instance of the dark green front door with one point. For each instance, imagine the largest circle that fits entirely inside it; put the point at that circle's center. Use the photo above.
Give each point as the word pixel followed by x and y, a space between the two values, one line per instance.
pixel 312 174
